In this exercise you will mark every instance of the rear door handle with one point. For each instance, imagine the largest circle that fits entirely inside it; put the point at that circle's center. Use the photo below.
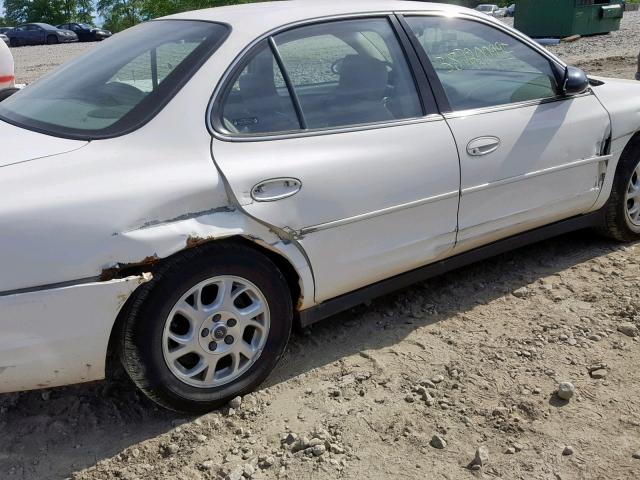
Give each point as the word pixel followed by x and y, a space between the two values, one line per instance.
pixel 483 146
pixel 275 189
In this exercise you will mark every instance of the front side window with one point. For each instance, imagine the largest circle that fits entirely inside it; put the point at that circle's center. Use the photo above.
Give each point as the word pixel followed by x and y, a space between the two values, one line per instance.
pixel 118 86
pixel 342 73
pixel 480 66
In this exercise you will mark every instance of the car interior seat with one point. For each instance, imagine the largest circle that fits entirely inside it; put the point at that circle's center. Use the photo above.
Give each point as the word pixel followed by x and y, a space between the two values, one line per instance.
pixel 361 93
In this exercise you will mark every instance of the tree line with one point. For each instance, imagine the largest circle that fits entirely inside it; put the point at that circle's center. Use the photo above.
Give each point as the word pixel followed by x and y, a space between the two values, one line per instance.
pixel 117 14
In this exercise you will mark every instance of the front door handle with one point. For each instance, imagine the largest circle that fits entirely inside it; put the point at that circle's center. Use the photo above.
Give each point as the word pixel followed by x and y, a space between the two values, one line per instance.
pixel 483 146
pixel 275 189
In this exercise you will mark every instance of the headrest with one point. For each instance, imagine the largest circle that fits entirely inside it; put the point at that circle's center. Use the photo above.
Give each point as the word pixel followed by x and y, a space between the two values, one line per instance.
pixel 254 86
pixel 363 77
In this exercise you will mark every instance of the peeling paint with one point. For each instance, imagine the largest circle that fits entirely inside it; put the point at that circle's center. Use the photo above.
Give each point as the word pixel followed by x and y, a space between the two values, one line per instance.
pixel 180 218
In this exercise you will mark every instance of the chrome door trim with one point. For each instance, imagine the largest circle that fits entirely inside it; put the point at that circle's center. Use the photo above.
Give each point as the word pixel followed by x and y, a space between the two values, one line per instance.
pixel 536 173
pixel 378 213
pixel 510 106
pixel 326 131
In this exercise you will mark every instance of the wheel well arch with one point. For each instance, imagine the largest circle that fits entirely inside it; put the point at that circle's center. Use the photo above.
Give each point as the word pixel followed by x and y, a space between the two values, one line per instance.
pixel 633 143
pixel 152 263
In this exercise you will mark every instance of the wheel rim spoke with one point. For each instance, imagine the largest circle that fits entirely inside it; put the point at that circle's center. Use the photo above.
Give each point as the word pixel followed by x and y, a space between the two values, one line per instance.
pixel 245 349
pixel 210 340
pixel 179 352
pixel 211 370
pixel 249 313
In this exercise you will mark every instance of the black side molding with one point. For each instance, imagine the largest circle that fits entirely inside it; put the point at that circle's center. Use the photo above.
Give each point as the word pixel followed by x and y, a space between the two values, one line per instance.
pixel 349 300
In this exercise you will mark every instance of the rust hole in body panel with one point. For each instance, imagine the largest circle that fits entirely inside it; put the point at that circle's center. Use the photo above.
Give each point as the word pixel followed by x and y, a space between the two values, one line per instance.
pixel 122 269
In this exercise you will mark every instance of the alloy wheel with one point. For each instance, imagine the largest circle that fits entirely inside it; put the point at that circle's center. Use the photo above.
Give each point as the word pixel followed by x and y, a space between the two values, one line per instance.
pixel 216 331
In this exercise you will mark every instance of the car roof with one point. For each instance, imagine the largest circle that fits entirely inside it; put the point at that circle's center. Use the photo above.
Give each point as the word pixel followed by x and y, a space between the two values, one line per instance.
pixel 43 25
pixel 270 15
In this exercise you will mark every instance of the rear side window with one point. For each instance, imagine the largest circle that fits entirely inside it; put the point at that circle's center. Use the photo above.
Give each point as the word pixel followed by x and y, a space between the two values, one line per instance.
pixel 120 85
pixel 480 66
pixel 340 73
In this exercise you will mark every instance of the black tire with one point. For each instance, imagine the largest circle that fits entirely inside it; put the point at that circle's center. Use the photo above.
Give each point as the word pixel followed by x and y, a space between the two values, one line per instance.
pixel 617 224
pixel 141 336
pixel 52 40
pixel 6 93
pixel 13 42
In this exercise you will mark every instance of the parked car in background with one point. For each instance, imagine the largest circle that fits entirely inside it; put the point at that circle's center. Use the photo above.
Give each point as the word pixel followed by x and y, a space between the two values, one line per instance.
pixel 190 249
pixel 86 32
pixel 4 38
pixel 7 78
pixel 511 10
pixel 39 34
pixel 488 9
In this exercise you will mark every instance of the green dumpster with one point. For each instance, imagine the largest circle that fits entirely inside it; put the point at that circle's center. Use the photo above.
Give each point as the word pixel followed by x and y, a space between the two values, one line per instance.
pixel 563 18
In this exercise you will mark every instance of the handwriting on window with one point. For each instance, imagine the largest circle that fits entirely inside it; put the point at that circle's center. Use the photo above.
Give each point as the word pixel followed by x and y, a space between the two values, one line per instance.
pixel 491 55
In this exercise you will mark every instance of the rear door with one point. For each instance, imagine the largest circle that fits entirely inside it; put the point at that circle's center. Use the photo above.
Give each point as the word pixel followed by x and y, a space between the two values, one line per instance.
pixel 323 132
pixel 528 156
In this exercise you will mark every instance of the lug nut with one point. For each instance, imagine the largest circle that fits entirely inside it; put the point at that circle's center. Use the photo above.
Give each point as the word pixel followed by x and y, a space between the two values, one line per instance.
pixel 232 322
pixel 205 332
pixel 217 317
pixel 228 339
pixel 213 346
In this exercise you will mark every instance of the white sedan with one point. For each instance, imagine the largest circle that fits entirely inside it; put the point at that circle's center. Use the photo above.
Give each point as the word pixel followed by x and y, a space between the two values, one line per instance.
pixel 185 193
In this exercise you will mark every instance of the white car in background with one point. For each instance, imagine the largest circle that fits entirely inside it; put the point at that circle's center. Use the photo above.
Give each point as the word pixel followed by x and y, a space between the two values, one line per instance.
pixel 489 9
pixel 4 38
pixel 7 75
pixel 326 153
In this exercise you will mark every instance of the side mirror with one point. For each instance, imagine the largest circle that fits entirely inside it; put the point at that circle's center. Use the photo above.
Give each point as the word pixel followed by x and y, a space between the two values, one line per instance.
pixel 575 81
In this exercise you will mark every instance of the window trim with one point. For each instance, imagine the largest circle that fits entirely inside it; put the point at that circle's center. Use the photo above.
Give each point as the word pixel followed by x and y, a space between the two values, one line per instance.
pixel 293 95
pixel 441 98
pixel 214 121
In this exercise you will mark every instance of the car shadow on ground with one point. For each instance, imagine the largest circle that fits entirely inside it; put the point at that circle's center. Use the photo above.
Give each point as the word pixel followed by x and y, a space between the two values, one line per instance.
pixel 51 434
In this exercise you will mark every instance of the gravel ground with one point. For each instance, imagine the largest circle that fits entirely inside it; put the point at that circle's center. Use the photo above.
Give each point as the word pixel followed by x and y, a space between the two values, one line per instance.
pixel 33 62
pixel 459 377
pixel 614 54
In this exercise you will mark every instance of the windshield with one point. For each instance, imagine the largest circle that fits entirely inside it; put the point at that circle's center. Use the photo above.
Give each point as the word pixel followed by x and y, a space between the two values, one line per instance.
pixel 485 8
pixel 86 26
pixel 118 86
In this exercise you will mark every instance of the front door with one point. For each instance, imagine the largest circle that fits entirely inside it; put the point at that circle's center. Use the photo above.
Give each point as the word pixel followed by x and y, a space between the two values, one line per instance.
pixel 328 140
pixel 528 156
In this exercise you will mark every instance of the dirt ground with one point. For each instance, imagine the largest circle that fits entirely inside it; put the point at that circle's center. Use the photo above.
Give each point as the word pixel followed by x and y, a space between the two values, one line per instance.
pixel 469 359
